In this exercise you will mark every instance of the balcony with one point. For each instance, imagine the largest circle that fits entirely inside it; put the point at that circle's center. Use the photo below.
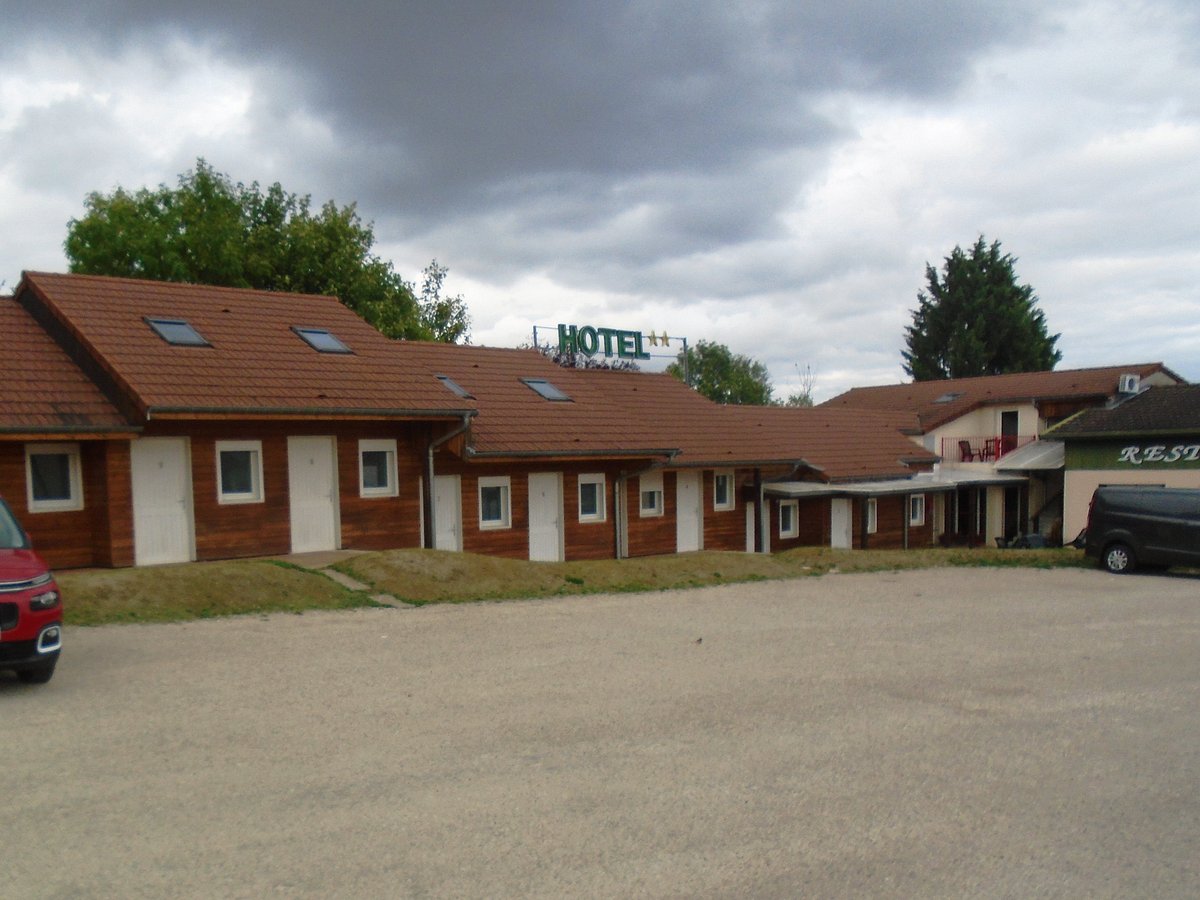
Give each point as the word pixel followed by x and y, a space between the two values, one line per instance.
pixel 982 448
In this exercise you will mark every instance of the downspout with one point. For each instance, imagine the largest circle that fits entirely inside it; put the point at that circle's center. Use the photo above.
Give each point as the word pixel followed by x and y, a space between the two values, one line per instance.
pixel 427 487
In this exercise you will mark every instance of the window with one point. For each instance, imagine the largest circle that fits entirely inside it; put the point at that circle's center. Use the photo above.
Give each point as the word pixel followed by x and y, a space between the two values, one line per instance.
pixel 493 502
pixel 872 515
pixel 651 489
pixel 177 331
pixel 239 472
pixel 591 498
pixel 545 389
pixel 321 340
pixel 377 468
pixel 454 387
pixel 789 518
pixel 723 490
pixel 53 478
pixel 916 509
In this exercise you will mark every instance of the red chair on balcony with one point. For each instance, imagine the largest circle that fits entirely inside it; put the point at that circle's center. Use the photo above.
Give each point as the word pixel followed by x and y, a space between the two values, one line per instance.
pixel 966 454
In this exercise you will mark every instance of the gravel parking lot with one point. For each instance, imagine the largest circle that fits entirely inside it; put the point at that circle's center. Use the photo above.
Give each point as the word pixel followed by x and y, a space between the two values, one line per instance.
pixel 1000 733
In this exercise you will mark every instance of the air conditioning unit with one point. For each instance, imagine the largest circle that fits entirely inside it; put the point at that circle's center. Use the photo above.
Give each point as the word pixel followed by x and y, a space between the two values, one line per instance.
pixel 1129 383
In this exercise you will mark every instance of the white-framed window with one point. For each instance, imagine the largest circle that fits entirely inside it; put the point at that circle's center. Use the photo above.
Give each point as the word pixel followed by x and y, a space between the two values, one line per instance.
pixel 789 518
pixel 239 472
pixel 494 506
pixel 916 509
pixel 723 490
pixel 53 477
pixel 377 468
pixel 650 489
pixel 872 515
pixel 591 498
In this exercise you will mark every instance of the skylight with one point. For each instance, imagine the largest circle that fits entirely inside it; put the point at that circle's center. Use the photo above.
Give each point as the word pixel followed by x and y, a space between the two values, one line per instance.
pixel 321 340
pixel 545 388
pixel 949 398
pixel 454 387
pixel 177 331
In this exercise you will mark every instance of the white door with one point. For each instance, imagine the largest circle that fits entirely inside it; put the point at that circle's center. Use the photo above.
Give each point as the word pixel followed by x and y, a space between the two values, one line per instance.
pixel 545 517
pixel 689 519
pixel 751 512
pixel 312 493
pixel 841 523
pixel 447 512
pixel 162 501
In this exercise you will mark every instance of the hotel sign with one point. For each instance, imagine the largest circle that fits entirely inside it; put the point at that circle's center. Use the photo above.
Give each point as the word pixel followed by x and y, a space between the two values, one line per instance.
pixel 590 340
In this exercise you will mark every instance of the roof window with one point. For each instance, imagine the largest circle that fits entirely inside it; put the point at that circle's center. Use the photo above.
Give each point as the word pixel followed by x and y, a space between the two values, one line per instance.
pixel 177 331
pixel 321 340
pixel 454 387
pixel 545 388
pixel 949 397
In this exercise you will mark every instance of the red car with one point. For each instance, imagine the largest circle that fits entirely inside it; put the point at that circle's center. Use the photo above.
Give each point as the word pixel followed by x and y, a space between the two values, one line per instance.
pixel 30 606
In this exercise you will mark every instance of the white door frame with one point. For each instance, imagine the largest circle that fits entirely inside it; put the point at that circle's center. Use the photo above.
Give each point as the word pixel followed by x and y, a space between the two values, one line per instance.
pixel 447 512
pixel 689 510
pixel 314 517
pixel 546 519
pixel 841 523
pixel 152 522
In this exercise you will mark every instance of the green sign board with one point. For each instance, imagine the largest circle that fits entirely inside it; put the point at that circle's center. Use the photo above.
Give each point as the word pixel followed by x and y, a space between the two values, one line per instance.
pixel 589 341
pixel 1158 453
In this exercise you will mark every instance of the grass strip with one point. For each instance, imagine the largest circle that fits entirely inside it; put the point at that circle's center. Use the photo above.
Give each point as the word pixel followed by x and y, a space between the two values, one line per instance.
pixel 202 590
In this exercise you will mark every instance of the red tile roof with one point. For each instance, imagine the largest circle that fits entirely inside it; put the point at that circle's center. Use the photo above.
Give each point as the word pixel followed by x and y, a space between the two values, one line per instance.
pixel 514 420
pixel 43 390
pixel 256 364
pixel 626 412
pixel 938 402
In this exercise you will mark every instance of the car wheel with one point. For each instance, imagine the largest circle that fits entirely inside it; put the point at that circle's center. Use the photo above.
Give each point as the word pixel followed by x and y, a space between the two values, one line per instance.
pixel 37 674
pixel 1119 559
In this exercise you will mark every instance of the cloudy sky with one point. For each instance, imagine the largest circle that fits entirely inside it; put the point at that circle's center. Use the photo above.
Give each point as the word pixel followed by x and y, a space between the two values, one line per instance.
pixel 770 175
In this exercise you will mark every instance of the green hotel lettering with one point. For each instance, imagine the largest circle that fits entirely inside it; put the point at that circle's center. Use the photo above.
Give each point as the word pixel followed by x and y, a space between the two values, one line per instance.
pixel 1158 453
pixel 589 341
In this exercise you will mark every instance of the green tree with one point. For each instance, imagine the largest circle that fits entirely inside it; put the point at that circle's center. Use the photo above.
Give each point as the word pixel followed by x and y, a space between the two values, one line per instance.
pixel 723 376
pixel 444 317
pixel 977 320
pixel 804 396
pixel 209 230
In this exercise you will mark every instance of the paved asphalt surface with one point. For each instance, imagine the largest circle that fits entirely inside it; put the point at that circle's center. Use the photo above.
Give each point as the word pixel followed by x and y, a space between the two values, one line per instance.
pixel 949 733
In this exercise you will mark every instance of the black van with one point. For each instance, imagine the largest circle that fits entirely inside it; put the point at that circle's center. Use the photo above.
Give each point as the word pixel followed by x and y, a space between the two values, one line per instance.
pixel 1149 526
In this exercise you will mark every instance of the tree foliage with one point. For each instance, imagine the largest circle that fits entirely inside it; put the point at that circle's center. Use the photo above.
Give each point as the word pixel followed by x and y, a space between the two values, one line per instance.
pixel 977 320
pixel 209 230
pixel 723 376
pixel 445 318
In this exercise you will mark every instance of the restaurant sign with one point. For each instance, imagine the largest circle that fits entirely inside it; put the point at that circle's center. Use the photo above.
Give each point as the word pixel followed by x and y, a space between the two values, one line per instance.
pixel 1138 454
pixel 1146 455
pixel 590 340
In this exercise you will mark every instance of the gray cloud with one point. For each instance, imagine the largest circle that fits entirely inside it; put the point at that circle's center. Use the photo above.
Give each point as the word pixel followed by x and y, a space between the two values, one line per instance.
pixel 775 173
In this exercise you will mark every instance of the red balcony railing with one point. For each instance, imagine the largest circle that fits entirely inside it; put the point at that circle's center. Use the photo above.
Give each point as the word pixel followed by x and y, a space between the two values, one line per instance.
pixel 985 448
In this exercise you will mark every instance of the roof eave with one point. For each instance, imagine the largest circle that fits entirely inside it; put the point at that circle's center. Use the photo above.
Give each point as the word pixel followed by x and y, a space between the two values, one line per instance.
pixel 275 412
pixel 490 455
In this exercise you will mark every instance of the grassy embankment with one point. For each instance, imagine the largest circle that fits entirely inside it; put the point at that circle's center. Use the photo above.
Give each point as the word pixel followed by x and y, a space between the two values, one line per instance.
pixel 202 590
